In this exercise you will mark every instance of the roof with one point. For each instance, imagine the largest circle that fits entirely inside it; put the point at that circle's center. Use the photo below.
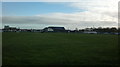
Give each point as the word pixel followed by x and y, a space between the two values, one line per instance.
pixel 57 28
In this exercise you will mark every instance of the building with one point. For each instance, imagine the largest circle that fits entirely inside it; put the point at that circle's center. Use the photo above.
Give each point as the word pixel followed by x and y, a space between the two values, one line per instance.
pixel 90 31
pixel 54 29
pixel 10 29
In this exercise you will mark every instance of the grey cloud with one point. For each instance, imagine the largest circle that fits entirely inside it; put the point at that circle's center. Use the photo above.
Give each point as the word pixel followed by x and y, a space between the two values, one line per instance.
pixel 31 20
pixel 67 20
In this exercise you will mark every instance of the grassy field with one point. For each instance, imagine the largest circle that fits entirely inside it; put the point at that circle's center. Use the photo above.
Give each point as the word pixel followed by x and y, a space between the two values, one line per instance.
pixel 59 49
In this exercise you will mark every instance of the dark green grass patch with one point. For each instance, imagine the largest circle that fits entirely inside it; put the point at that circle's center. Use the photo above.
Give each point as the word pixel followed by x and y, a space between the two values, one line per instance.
pixel 59 49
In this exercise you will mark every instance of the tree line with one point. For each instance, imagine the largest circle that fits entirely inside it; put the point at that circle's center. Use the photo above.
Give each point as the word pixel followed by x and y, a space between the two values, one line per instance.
pixel 100 29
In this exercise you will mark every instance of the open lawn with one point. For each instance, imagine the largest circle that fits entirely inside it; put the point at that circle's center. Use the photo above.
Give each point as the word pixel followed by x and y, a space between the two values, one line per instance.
pixel 59 49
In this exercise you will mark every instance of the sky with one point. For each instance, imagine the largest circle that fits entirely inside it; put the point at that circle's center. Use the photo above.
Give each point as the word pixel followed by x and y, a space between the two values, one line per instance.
pixel 71 15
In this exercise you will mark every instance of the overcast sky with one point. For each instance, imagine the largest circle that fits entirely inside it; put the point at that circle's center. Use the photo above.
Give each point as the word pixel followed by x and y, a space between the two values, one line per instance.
pixel 71 15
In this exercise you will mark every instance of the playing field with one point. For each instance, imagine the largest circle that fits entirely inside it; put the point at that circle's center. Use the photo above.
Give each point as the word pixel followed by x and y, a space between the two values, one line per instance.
pixel 59 49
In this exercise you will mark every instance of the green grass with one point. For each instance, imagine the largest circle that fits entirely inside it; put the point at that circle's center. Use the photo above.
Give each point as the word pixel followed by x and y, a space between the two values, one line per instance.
pixel 59 49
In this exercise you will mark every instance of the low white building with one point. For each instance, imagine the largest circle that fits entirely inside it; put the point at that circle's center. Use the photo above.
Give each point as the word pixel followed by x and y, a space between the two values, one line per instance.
pixel 50 30
pixel 90 32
